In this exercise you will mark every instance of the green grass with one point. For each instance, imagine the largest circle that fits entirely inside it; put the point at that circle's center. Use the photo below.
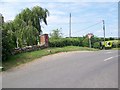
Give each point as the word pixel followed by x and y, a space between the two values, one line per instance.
pixel 115 48
pixel 22 58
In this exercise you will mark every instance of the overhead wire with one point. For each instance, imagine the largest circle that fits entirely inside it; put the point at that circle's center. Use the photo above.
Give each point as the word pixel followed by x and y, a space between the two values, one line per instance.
pixel 85 28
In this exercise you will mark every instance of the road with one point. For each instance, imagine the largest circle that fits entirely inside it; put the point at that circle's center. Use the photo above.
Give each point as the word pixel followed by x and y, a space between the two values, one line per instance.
pixel 85 69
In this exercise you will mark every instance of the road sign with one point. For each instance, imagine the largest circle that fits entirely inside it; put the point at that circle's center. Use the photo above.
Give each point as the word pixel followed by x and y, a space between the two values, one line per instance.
pixel 89 35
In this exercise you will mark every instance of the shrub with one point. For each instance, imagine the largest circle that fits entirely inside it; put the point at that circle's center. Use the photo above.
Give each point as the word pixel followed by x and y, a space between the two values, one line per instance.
pixel 85 42
pixel 96 45
pixel 64 42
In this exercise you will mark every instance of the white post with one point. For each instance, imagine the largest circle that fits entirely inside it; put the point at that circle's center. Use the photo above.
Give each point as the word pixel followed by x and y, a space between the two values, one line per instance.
pixel 89 42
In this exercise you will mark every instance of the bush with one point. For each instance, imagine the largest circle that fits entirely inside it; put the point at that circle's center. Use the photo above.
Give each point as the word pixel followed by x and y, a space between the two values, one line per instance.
pixel 116 44
pixel 65 42
pixel 96 45
pixel 85 42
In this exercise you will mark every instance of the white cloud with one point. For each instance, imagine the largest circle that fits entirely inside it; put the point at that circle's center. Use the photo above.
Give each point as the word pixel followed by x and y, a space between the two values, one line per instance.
pixel 57 20
pixel 83 14
pixel 9 10
pixel 55 12
pixel 59 1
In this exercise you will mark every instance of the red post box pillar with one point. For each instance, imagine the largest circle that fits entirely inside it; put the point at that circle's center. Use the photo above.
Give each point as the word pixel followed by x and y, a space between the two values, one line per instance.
pixel 44 40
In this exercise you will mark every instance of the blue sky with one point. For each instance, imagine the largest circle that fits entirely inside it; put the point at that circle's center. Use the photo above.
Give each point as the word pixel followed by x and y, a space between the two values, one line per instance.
pixel 84 14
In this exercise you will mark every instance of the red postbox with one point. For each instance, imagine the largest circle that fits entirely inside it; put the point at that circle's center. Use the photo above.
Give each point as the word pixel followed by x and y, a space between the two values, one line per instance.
pixel 44 40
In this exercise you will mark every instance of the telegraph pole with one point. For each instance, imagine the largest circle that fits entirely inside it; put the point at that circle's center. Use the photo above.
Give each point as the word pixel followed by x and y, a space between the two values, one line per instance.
pixel 104 32
pixel 70 26
pixel 90 42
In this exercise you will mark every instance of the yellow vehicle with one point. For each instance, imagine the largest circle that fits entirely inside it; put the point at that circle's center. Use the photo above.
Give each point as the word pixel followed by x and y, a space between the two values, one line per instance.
pixel 106 44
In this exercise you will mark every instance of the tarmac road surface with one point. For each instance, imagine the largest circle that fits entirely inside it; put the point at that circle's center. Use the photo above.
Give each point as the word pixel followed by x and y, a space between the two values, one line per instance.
pixel 81 69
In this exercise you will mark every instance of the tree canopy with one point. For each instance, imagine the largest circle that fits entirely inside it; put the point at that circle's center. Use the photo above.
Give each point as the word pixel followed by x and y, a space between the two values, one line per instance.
pixel 34 17
pixel 56 34
pixel 24 30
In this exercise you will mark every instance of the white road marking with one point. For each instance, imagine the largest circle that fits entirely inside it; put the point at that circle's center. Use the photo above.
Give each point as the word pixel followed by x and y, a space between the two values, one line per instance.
pixel 108 58
pixel 111 58
pixel 108 52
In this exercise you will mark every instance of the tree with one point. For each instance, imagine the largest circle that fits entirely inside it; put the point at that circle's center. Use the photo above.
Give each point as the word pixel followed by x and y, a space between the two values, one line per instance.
pixel 19 26
pixel 34 17
pixel 25 22
pixel 55 34
pixel 8 43
pixel 39 15
pixel 30 35
pixel 23 30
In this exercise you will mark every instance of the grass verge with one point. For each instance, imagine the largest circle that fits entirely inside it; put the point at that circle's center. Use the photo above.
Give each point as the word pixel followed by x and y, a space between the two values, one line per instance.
pixel 115 48
pixel 22 58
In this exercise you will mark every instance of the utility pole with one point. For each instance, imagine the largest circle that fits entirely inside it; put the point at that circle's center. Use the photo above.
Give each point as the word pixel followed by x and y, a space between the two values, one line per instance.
pixel 70 26
pixel 104 32
pixel 90 42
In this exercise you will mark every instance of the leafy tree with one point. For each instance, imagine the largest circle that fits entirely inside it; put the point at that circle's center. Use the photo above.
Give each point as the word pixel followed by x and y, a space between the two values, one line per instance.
pixel 23 30
pixel 26 21
pixel 30 35
pixel 111 38
pixel 56 34
pixel 7 40
pixel 26 15
pixel 36 16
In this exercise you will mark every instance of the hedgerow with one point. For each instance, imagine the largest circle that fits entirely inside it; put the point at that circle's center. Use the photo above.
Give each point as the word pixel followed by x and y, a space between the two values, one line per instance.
pixel 65 42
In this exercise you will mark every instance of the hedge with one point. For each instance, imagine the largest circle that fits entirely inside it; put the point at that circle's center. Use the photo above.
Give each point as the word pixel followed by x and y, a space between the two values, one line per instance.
pixel 65 42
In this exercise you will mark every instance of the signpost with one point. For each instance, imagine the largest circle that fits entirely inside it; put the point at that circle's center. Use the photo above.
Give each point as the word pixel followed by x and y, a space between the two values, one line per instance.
pixel 89 36
pixel 104 31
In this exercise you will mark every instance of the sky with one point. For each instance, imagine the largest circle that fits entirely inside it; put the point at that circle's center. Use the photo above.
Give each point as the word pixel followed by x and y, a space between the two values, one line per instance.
pixel 86 15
